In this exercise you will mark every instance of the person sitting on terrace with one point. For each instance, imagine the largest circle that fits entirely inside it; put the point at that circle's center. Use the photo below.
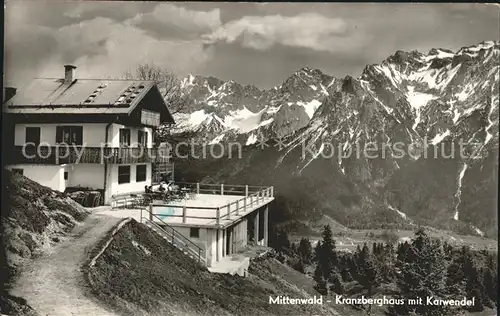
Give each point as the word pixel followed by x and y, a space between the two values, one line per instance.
pixel 172 187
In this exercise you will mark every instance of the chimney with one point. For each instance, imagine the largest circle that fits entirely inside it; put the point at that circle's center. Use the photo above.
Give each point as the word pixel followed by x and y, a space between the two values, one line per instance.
pixel 8 93
pixel 69 73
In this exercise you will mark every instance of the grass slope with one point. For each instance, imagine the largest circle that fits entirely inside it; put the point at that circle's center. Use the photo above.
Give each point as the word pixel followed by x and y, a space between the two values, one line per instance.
pixel 142 274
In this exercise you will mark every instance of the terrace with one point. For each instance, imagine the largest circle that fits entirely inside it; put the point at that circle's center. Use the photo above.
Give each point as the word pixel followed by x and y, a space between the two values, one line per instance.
pixel 204 205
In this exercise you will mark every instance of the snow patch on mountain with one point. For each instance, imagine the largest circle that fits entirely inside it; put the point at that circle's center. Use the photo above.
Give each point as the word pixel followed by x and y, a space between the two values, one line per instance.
pixel 244 120
pixel 252 139
pixel 266 122
pixel 198 117
pixel 272 109
pixel 439 54
pixel 439 137
pixel 310 107
pixel 418 99
pixel 217 139
pixel 188 81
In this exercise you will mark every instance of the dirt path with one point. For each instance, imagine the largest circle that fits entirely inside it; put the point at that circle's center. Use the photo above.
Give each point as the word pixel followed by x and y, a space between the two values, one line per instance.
pixel 54 285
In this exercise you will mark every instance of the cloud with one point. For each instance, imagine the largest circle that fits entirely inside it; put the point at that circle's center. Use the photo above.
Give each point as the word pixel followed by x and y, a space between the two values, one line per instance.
pixel 98 46
pixel 117 11
pixel 171 21
pixel 102 47
pixel 307 30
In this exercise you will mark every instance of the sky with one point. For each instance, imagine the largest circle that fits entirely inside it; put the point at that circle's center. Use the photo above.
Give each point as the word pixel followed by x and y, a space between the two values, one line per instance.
pixel 251 43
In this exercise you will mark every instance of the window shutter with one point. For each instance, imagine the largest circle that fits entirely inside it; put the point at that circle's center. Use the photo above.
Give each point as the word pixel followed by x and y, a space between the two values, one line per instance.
pixel 59 134
pixel 79 135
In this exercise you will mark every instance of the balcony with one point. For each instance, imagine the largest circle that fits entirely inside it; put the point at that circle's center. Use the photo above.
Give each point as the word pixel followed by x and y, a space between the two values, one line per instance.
pixel 72 154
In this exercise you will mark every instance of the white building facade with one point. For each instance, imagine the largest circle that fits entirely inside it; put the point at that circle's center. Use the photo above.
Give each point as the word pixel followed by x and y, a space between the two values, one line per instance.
pixel 90 134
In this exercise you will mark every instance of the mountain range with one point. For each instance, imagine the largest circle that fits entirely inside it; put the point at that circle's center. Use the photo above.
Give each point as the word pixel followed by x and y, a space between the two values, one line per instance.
pixel 430 121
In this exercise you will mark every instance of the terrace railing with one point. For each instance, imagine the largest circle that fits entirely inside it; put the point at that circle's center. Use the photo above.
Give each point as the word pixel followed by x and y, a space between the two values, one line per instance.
pixel 252 197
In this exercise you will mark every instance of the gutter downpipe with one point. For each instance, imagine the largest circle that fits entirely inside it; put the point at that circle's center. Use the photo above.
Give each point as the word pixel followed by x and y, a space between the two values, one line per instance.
pixel 106 138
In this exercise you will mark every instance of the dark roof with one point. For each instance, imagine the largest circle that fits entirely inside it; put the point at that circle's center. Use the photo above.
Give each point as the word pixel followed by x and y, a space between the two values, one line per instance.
pixel 82 96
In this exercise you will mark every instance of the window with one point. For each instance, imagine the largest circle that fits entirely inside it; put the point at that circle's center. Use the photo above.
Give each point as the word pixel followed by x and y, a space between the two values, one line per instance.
pixel 123 174
pixel 65 175
pixel 141 173
pixel 33 135
pixel 18 171
pixel 124 137
pixel 69 135
pixel 142 138
pixel 194 232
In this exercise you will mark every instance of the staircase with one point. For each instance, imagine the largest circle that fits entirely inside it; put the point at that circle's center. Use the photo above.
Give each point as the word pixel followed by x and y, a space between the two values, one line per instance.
pixel 182 243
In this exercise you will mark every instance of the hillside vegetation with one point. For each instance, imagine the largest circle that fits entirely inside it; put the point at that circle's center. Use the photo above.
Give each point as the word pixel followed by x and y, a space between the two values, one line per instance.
pixel 34 217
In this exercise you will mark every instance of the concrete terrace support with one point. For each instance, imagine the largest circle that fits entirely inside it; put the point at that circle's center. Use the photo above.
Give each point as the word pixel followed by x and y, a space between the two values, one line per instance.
pixel 256 227
pixel 266 226
pixel 219 244
pixel 230 236
pixel 224 243
pixel 209 246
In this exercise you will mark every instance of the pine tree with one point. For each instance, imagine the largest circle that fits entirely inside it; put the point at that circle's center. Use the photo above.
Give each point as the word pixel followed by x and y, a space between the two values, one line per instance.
pixel 328 256
pixel 455 280
pixel 402 252
pixel 489 287
pixel 491 277
pixel 327 261
pixel 305 250
pixel 346 266
pixel 474 287
pixel 368 274
pixel 375 249
pixel 321 285
pixel 388 270
pixel 423 274
pixel 317 251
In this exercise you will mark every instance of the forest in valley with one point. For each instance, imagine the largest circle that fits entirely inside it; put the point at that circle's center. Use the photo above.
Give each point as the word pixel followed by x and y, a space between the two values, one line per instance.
pixel 421 267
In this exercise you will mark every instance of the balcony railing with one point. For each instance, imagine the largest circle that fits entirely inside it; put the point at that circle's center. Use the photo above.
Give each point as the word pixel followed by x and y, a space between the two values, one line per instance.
pixel 82 154
pixel 251 198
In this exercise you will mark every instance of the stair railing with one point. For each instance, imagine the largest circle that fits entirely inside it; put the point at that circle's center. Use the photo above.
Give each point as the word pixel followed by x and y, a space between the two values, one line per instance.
pixel 173 235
